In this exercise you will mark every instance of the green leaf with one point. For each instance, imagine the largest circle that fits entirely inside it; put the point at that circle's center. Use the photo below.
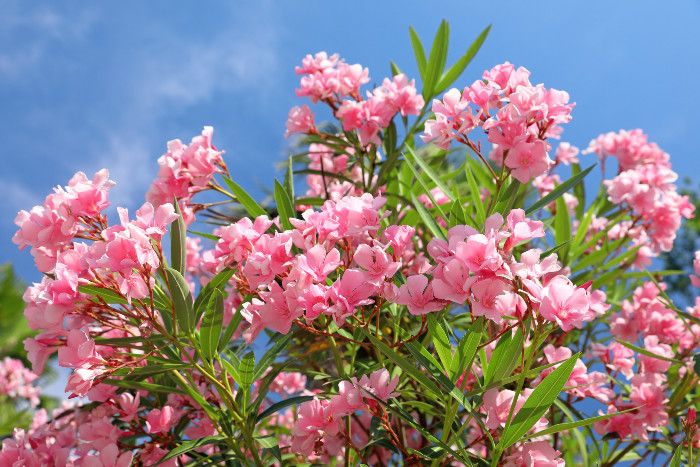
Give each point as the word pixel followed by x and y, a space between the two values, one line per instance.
pixel 436 60
pixel 230 329
pixel 289 179
pixel 109 296
pixel 427 219
pixel 418 51
pixel 246 370
pixel 277 406
pixel 477 204
pixel 218 282
pixel 537 404
pixel 285 206
pixel 429 171
pixel 141 385
pixel 648 353
pixel 505 357
pixel 460 65
pixel 559 190
pixel 182 299
pixel 212 324
pixel 441 342
pixel 562 229
pixel 189 445
pixel 204 235
pixel 677 455
pixel 249 204
pixel 466 349
pixel 559 427
pixel 177 241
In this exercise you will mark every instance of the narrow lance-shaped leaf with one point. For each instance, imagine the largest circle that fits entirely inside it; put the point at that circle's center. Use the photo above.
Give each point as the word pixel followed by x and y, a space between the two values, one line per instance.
pixel 289 178
pixel 562 229
pixel 277 406
pixel 436 60
pixel 441 342
pixel 285 207
pixel 431 174
pixel 212 324
pixel 559 190
pixel 541 398
pixel 427 219
pixel 466 349
pixel 505 357
pixel 182 299
pixel 218 282
pixel 460 65
pixel 418 51
pixel 246 370
pixel 178 239
pixel 249 204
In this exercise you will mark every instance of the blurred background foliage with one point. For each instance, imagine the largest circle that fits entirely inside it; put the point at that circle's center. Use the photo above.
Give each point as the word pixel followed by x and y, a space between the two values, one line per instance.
pixel 13 330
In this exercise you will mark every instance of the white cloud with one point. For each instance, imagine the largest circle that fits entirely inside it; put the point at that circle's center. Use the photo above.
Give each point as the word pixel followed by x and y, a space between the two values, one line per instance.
pixel 29 31
pixel 168 78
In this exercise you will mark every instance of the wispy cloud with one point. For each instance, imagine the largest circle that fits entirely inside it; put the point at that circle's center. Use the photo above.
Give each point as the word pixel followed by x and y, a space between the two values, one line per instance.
pixel 28 31
pixel 167 79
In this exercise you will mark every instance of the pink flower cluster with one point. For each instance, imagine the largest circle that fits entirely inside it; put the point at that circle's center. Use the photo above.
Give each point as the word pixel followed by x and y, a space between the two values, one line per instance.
pixel 330 80
pixel 186 170
pixel 648 319
pixel 70 211
pixel 119 257
pixel 16 381
pixel 368 117
pixel 645 186
pixel 77 436
pixel 517 116
pixel 345 262
pixel 319 428
pixel 479 268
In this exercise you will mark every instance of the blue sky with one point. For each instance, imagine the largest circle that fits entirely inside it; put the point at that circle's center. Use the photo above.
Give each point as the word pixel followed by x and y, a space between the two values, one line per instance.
pixel 85 85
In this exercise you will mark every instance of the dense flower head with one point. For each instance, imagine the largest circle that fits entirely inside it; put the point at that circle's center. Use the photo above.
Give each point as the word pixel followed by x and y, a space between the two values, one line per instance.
pixel 517 116
pixel 69 211
pixel 185 169
pixel 644 185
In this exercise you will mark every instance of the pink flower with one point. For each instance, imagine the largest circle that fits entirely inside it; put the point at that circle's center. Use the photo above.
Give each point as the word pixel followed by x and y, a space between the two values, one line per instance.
pixel 287 383
pixel 79 351
pixel 379 383
pixel 300 120
pixel 375 262
pixel 655 365
pixel 400 237
pixel 185 169
pixel 566 304
pixel 109 456
pixel 349 292
pixel 160 420
pixel 479 253
pixel 493 298
pixel 417 295
pixel 316 421
pixel 318 263
pixel 128 405
pixel 566 154
pixel 528 160
pixel 535 454
pixel 274 311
